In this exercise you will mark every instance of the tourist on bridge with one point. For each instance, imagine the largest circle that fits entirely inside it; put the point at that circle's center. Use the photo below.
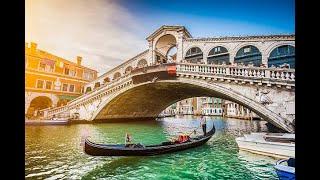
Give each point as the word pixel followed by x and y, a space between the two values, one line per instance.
pixel 203 123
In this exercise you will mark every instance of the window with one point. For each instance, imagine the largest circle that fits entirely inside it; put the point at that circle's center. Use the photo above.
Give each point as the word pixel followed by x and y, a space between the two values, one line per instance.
pixel 217 49
pixel 66 71
pixel 48 84
pixel 46 67
pixel 246 50
pixel 65 87
pixel 87 75
pixel 71 88
pixel 72 72
pixel 42 66
pixel 40 84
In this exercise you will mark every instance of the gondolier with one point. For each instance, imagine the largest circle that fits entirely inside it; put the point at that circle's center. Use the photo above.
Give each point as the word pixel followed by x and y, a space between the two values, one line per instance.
pixel 128 139
pixel 203 123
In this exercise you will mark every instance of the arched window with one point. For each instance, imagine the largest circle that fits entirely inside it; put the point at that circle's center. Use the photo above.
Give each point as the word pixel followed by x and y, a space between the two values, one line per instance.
pixel 282 55
pixel 218 55
pixel 142 63
pixel 88 89
pixel 97 84
pixel 106 80
pixel 194 55
pixel 172 54
pixel 128 70
pixel 116 75
pixel 249 55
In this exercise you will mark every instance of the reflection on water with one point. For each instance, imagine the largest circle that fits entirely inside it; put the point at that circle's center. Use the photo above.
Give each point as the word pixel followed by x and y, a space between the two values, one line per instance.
pixel 54 152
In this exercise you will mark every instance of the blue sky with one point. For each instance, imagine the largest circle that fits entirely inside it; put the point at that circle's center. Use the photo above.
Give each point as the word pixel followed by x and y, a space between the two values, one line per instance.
pixel 108 32
pixel 206 18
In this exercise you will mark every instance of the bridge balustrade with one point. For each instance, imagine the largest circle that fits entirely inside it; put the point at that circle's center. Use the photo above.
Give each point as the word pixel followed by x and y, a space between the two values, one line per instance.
pixel 238 71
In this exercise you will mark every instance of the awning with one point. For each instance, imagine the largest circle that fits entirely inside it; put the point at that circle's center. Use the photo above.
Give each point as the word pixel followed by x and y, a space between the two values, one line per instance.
pixel 48 62
pixel 66 97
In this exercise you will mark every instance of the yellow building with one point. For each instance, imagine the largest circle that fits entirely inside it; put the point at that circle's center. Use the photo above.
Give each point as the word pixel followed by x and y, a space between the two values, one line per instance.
pixel 52 81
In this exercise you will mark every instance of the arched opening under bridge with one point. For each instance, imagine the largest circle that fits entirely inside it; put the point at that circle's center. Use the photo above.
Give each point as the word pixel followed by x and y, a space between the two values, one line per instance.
pixel 148 100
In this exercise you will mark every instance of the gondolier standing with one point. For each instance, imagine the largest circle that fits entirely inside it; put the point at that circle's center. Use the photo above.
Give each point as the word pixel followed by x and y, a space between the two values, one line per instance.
pixel 128 139
pixel 203 124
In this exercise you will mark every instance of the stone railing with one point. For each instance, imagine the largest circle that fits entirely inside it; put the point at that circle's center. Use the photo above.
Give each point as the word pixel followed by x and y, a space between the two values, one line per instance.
pixel 238 71
pixel 103 87
pixel 85 97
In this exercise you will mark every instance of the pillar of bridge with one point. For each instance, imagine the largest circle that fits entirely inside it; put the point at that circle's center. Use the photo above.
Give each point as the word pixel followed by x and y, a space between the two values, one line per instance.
pixel 265 59
pixel 179 47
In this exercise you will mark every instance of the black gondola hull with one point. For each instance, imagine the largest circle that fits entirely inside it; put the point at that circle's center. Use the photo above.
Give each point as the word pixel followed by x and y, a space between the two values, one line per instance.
pixel 95 149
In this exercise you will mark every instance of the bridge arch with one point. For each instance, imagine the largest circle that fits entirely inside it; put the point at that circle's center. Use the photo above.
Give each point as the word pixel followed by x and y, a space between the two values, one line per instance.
pixel 165 43
pixel 135 101
pixel 218 55
pixel 282 53
pixel 194 55
pixel 247 54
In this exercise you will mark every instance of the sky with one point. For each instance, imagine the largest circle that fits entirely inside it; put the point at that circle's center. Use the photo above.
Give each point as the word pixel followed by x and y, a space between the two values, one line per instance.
pixel 108 32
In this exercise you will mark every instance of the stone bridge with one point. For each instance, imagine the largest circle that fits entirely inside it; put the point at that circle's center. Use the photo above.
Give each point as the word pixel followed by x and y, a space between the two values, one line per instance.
pixel 147 91
pixel 245 70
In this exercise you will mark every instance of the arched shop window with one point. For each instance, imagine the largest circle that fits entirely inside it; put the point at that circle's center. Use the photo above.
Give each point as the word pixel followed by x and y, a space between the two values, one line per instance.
pixel 116 75
pixel 218 55
pixel 128 70
pixel 194 55
pixel 142 63
pixel 249 55
pixel 282 55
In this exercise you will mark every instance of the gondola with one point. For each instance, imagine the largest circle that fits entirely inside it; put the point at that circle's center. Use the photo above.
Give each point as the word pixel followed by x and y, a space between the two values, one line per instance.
pixel 95 149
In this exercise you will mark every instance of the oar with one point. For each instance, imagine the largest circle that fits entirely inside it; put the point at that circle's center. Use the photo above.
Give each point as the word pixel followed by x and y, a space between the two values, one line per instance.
pixel 194 130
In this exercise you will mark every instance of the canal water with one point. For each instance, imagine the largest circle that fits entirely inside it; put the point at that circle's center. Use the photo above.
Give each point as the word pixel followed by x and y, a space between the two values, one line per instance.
pixel 55 152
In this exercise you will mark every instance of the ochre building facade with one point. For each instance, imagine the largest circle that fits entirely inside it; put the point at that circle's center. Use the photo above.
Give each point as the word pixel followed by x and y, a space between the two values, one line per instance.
pixel 52 81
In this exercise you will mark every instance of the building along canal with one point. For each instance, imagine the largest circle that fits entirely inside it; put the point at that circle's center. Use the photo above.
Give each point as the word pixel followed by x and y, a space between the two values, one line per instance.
pixel 55 152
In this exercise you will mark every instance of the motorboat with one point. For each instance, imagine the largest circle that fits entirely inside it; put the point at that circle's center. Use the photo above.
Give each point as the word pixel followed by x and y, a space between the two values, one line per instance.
pixel 277 145
pixel 285 169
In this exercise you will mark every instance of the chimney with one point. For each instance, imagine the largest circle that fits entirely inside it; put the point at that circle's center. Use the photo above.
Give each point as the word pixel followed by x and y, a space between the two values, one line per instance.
pixel 79 59
pixel 33 46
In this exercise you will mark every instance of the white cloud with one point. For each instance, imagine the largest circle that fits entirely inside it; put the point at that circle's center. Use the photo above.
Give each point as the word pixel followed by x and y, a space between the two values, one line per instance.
pixel 101 31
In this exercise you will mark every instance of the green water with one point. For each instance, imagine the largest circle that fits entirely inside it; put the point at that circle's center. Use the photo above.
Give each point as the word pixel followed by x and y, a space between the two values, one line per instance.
pixel 55 152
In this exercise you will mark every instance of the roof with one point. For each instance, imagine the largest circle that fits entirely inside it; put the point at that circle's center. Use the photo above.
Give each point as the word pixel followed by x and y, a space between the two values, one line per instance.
pixel 63 59
pixel 250 37
pixel 128 61
pixel 165 27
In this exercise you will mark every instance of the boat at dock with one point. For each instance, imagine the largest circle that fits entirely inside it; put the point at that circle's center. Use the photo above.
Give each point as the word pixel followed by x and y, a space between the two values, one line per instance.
pixel 95 149
pixel 285 169
pixel 277 145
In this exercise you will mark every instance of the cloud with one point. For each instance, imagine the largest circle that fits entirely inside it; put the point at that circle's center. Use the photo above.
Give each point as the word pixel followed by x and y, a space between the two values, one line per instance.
pixel 101 31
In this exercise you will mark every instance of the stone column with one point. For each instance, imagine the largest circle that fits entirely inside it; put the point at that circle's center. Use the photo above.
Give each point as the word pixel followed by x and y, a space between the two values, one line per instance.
pixel 265 59
pixel 179 39
pixel 150 58
pixel 231 56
